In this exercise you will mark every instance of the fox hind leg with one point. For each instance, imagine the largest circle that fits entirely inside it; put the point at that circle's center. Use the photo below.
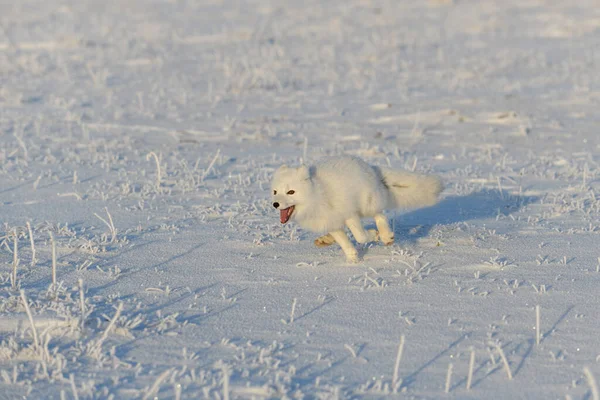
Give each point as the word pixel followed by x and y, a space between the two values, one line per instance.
pixel 385 233
pixel 325 240
pixel 373 235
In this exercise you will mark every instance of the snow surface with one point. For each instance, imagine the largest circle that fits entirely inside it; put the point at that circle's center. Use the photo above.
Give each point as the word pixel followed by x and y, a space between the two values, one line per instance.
pixel 193 289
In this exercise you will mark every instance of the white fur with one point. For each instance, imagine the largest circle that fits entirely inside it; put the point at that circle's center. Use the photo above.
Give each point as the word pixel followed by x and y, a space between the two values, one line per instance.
pixel 339 191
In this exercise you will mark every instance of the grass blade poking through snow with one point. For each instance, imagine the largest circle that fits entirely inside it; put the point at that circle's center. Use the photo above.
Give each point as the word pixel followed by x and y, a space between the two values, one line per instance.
pixel 592 382
pixel 448 378
pixel 95 348
pixel 33 258
pixel 111 324
pixel 225 383
pixel 537 325
pixel 293 311
pixel 212 163
pixel 395 382
pixel 158 174
pixel 36 342
pixel 154 388
pixel 73 387
pixel 504 361
pixel 177 389
pixel 53 244
pixel 291 320
pixel 81 304
pixel 110 224
pixel 471 366
pixel 305 150
pixel 15 260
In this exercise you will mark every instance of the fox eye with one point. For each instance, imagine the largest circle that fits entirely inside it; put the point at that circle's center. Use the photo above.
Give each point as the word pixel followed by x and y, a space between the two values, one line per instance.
pixel 274 192
pixel 291 192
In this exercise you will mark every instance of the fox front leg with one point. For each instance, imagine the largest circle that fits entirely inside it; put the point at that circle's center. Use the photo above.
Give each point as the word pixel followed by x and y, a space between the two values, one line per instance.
pixel 342 239
pixel 385 233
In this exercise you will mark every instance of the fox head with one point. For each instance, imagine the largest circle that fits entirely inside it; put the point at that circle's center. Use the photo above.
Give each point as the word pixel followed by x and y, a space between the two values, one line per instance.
pixel 290 191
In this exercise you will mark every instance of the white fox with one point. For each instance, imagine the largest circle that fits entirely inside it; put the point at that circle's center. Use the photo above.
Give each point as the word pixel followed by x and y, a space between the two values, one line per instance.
pixel 339 191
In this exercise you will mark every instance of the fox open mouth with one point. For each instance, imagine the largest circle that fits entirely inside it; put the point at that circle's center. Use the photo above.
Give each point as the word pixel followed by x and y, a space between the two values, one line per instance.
pixel 285 214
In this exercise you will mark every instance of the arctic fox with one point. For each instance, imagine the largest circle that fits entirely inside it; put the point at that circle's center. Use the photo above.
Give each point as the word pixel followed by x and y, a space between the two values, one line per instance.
pixel 339 191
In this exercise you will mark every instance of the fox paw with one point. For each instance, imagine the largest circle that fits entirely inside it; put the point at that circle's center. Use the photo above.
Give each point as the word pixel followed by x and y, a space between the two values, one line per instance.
pixel 387 239
pixel 325 240
pixel 352 257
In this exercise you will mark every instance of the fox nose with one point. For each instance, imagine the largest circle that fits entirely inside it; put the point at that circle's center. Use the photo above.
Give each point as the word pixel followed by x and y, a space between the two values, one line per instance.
pixel 276 205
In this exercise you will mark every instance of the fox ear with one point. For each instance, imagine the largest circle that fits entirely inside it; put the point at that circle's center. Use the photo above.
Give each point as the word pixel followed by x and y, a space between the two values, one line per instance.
pixel 303 172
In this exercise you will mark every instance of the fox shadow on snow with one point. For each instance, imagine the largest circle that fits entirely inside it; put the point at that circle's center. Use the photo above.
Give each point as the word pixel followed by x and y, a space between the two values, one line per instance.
pixel 483 204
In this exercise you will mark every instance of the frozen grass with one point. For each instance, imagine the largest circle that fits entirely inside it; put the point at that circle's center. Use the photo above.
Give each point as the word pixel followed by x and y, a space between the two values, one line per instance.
pixel 110 224
pixel 152 155
pixel 470 372
pixel 505 363
pixel 53 244
pixel 15 264
pixel 36 341
pixel 591 380
pixel 32 242
pixel 396 375
pixel 448 378
pixel 538 332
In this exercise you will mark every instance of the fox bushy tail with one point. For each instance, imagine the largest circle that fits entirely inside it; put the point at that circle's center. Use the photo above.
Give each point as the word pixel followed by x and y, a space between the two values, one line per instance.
pixel 410 190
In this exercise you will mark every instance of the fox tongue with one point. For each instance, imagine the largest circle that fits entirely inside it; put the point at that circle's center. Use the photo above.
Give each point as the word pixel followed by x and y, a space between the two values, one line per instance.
pixel 285 214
